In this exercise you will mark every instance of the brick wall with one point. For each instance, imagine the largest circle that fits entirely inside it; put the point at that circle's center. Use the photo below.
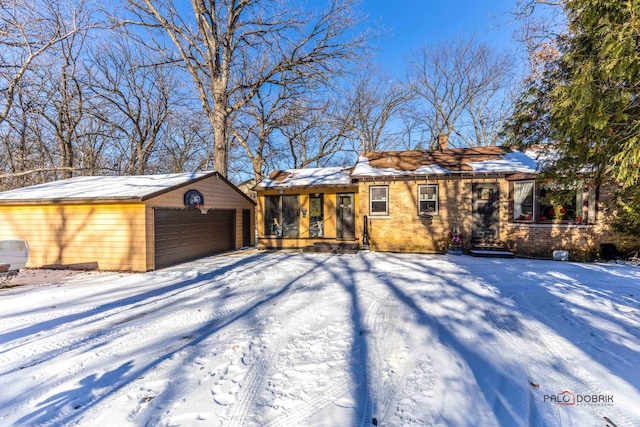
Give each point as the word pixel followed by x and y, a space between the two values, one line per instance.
pixel 403 230
pixel 582 241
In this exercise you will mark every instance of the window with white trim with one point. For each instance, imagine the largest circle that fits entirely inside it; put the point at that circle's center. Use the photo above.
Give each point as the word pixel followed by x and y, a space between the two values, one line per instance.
pixel 379 200
pixel 428 199
pixel 523 197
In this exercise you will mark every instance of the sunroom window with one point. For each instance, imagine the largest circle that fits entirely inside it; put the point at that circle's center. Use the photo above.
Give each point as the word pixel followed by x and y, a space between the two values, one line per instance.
pixel 281 216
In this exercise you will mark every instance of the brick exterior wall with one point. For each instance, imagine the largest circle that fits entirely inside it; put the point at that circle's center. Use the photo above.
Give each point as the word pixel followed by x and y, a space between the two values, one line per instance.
pixel 403 230
pixel 582 241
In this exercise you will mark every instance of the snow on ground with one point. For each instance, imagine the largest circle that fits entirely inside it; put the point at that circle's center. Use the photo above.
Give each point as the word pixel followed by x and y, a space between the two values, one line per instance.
pixel 289 339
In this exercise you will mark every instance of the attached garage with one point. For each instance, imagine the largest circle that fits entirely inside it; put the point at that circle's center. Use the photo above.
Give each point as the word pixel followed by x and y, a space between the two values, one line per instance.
pixel 132 223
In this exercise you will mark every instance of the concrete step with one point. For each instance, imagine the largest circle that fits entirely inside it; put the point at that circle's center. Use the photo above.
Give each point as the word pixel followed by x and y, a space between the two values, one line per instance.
pixel 333 247
pixel 491 253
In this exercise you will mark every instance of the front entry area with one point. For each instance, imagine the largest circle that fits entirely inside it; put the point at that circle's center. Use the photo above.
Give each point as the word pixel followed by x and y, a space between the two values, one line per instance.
pixel 486 207
pixel 346 218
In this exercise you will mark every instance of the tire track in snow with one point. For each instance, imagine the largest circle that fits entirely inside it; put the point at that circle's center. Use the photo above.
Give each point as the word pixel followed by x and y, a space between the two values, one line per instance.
pixel 122 322
pixel 252 385
pixel 117 339
pixel 102 312
pixel 171 363
pixel 257 375
pixel 53 342
pixel 299 414
pixel 386 344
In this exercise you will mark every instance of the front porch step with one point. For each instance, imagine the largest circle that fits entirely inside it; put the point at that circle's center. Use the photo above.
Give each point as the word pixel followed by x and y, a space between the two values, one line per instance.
pixel 490 251
pixel 491 254
pixel 333 247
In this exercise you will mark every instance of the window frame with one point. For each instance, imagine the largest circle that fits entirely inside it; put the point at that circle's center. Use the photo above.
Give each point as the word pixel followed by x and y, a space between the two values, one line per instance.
pixel 534 202
pixel 436 201
pixel 316 222
pixel 379 213
pixel 573 209
pixel 275 214
pixel 582 213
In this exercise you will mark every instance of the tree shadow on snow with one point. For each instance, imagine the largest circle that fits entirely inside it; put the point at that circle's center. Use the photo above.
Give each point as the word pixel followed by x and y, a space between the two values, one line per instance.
pixel 64 405
pixel 469 301
pixel 145 297
pixel 177 345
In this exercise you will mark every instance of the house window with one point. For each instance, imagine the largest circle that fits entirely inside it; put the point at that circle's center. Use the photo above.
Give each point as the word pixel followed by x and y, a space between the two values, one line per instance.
pixel 281 216
pixel 523 201
pixel 560 204
pixel 551 203
pixel 379 200
pixel 316 215
pixel 428 199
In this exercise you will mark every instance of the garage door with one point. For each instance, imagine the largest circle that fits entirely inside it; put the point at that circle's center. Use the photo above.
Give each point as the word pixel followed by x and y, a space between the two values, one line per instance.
pixel 185 234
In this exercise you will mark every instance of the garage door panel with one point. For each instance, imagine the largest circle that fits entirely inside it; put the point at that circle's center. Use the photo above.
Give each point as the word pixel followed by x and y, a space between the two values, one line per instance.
pixel 182 235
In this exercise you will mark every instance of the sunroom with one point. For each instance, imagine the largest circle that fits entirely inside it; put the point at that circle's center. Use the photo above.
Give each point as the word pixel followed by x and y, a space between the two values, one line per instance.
pixel 303 208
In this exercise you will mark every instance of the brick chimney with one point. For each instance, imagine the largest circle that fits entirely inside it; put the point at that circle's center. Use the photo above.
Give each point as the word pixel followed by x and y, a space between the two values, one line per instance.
pixel 443 141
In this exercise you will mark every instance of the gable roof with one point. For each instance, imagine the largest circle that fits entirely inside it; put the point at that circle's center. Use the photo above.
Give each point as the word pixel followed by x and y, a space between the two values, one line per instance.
pixel 444 162
pixel 95 188
pixel 309 177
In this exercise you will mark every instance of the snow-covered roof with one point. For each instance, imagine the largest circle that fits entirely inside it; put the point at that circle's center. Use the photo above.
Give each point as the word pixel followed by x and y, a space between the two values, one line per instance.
pixel 310 177
pixel 445 162
pixel 103 187
pixel 516 161
pixel 409 163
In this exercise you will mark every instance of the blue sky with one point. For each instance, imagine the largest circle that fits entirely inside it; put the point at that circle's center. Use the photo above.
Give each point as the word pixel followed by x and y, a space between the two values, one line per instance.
pixel 411 24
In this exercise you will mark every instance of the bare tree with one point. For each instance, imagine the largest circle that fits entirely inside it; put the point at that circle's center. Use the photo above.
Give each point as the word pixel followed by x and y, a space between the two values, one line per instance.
pixel 316 129
pixel 257 121
pixel 543 23
pixel 28 29
pixel 377 100
pixel 62 99
pixel 20 146
pixel 137 96
pixel 234 48
pixel 461 86
pixel 185 144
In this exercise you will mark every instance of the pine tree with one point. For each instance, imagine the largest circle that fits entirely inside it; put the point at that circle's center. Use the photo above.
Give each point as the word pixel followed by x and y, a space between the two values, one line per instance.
pixel 586 103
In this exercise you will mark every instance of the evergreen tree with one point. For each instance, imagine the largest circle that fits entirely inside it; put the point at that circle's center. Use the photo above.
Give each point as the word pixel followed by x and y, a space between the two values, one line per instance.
pixel 586 103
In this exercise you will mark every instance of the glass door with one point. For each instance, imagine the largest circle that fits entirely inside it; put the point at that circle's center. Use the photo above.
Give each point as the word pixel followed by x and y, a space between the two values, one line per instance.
pixel 346 217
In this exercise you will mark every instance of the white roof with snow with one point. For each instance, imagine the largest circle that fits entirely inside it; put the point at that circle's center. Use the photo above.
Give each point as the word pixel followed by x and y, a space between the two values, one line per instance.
pixel 515 161
pixel 455 161
pixel 310 177
pixel 103 187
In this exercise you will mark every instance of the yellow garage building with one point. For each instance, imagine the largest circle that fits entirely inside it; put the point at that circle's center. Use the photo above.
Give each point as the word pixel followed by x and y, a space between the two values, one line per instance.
pixel 128 223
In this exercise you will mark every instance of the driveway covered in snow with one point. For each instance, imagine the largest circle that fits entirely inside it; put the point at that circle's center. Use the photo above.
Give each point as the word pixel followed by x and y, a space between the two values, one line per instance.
pixel 289 339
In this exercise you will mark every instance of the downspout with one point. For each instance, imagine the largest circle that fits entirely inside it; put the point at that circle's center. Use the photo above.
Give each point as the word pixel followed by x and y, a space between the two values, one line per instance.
pixel 365 234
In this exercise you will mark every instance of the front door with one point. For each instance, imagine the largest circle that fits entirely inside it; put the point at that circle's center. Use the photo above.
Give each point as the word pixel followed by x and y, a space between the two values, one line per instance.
pixel 346 224
pixel 485 213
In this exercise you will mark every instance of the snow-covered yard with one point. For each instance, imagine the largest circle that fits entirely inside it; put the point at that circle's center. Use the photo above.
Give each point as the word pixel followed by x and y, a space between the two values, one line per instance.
pixel 289 339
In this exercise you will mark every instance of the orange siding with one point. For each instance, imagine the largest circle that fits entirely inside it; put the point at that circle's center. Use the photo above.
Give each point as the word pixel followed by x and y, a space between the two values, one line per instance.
pixel 329 210
pixel 113 235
